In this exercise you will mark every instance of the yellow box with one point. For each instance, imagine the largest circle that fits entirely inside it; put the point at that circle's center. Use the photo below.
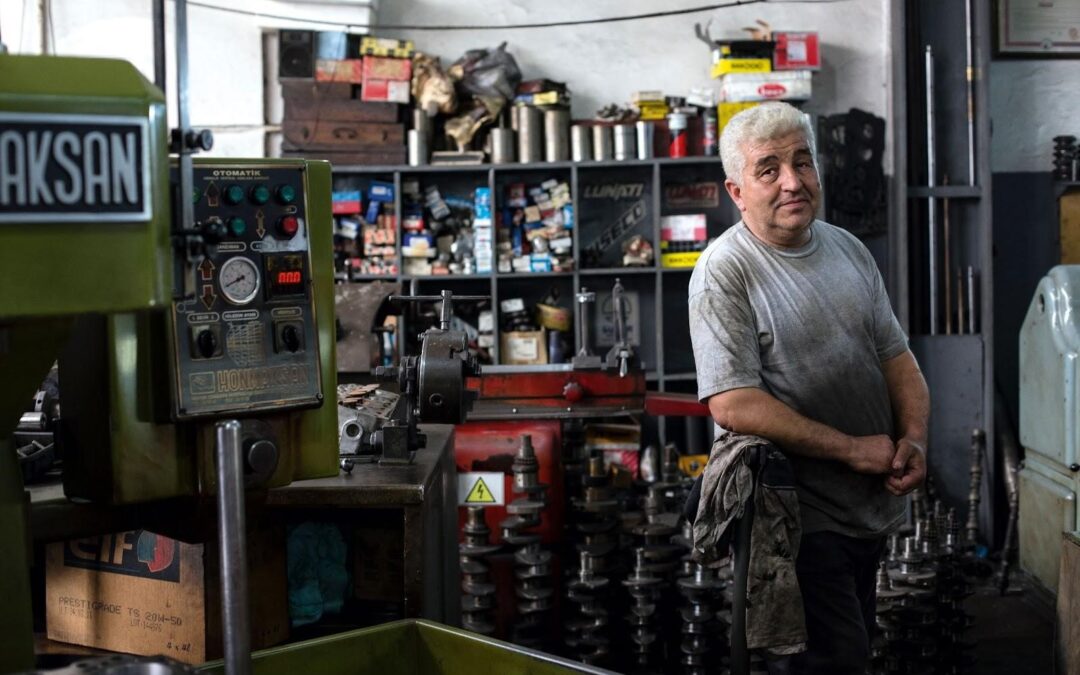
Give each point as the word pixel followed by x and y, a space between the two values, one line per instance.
pixel 687 259
pixel 653 111
pixel 399 49
pixel 725 111
pixel 722 67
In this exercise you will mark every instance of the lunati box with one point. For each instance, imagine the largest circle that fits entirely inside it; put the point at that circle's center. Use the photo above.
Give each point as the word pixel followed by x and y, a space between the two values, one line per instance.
pixel 142 593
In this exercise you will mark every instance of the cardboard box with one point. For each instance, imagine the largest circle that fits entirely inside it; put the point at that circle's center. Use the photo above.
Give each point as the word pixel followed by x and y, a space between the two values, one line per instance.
pixel 677 260
pixel 523 347
pixel 143 593
pixel 796 51
pixel 381 68
pixel 789 85
pixel 722 67
pixel 390 91
pixel 725 111
pixel 347 70
pixel 376 46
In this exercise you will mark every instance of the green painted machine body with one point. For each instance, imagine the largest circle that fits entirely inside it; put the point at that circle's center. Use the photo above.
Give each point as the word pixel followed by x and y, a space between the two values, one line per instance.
pixel 408 647
pixel 53 269
pixel 66 267
pixel 125 448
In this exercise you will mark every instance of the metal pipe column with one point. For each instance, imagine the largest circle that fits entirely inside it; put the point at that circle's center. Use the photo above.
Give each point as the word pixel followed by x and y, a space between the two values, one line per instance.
pixel 236 627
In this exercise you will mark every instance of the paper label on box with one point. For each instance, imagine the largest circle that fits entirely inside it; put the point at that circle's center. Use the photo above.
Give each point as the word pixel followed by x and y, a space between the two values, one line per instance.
pixel 683 228
pixel 524 348
pixel 481 489
pixel 512 305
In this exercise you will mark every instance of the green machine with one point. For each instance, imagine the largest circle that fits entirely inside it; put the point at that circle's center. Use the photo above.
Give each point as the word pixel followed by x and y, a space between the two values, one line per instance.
pixel 161 329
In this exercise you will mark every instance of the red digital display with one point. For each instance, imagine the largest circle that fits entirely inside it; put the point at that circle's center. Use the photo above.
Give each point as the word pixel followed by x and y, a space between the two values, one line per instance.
pixel 288 277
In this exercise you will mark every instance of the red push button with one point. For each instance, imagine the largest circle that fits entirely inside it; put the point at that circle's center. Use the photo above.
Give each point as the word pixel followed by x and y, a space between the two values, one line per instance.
pixel 288 226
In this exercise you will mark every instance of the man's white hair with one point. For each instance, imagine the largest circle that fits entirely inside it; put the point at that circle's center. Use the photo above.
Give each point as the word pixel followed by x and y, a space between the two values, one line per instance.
pixel 763 122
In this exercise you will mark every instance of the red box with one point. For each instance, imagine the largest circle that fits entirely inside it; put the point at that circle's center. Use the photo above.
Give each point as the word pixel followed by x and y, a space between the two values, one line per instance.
pixel 391 91
pixel 491 446
pixel 796 51
pixel 384 68
pixel 347 70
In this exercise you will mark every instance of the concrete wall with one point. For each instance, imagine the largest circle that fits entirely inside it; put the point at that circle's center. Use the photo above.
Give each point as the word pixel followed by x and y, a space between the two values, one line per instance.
pixel 1031 101
pixel 604 63
pixel 225 50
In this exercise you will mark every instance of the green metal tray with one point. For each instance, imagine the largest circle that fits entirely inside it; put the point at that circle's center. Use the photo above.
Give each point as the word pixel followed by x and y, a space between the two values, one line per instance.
pixel 409 647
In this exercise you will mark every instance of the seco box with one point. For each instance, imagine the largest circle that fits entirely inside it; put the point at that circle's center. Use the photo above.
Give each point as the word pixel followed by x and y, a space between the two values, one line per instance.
pixel 143 593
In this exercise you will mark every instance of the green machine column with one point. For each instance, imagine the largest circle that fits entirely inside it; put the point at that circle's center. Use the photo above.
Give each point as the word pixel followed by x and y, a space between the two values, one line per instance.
pixel 84 228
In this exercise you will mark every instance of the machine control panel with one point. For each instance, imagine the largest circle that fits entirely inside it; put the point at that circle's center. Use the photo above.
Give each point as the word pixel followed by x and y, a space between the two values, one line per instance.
pixel 247 341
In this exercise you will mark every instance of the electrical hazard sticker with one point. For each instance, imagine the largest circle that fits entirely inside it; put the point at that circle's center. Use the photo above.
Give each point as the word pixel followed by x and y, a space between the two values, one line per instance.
pixel 481 489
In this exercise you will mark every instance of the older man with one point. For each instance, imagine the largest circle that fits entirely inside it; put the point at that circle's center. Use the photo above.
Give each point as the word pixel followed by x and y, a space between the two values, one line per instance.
pixel 795 342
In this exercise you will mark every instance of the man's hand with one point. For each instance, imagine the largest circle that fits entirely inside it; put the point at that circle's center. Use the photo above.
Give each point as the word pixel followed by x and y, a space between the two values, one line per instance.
pixel 871 454
pixel 908 468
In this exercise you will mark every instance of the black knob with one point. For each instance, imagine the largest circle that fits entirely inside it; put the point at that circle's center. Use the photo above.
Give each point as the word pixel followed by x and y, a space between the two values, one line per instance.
pixel 260 457
pixel 207 343
pixel 1074 467
pixel 200 140
pixel 213 230
pixel 290 338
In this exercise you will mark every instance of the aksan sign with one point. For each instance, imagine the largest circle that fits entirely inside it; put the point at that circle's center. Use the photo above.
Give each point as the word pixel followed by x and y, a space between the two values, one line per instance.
pixel 73 168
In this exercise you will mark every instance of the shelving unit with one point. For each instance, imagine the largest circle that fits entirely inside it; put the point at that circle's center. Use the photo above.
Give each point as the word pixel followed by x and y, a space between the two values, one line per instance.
pixel 959 367
pixel 662 292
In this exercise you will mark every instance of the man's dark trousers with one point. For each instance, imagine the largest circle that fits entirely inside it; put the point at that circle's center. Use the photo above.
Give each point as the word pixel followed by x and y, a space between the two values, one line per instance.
pixel 837 576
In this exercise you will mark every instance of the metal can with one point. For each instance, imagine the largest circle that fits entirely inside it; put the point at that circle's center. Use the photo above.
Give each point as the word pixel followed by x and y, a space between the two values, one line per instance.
pixel 601 142
pixel 580 143
pixel 677 127
pixel 530 134
pixel 422 123
pixel 711 138
pixel 646 132
pixel 625 148
pixel 502 146
pixel 418 148
pixel 556 128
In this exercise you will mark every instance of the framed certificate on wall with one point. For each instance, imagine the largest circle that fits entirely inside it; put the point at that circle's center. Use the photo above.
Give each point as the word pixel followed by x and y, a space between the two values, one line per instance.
pixel 1038 28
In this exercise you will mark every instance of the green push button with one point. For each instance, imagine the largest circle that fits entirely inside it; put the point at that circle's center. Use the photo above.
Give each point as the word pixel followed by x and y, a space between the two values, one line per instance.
pixel 196 194
pixel 234 194
pixel 237 226
pixel 260 194
pixel 286 194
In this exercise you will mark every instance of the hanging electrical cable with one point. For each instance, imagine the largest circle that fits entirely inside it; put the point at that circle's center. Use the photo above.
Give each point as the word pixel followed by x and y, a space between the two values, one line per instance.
pixel 515 26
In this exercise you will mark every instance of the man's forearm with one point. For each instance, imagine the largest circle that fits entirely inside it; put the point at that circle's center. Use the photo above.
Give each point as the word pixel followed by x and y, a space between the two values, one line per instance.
pixel 753 411
pixel 909 396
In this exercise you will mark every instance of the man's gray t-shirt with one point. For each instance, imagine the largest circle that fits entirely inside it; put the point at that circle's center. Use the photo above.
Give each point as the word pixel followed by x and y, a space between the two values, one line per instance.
pixel 810 326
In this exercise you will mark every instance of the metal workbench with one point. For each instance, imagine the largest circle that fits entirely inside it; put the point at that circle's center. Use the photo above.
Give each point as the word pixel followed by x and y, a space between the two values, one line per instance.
pixel 421 497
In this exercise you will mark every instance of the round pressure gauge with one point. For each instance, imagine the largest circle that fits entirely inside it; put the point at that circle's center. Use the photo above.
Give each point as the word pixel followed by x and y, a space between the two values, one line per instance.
pixel 239 280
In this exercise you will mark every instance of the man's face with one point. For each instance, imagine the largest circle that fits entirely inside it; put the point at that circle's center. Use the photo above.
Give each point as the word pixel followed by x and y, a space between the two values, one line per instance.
pixel 780 191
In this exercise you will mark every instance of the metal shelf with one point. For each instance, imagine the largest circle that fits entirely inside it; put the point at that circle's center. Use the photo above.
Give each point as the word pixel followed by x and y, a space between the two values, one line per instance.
pixel 532 275
pixel 445 277
pixel 672 338
pixel 945 191
pixel 615 271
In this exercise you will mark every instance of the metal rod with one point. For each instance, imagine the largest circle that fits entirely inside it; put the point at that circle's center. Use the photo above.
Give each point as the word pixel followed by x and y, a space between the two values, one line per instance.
pixel 960 323
pixel 971 529
pixel 931 181
pixel 185 173
pixel 236 631
pixel 970 74
pixel 972 312
pixel 948 260
pixel 159 44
